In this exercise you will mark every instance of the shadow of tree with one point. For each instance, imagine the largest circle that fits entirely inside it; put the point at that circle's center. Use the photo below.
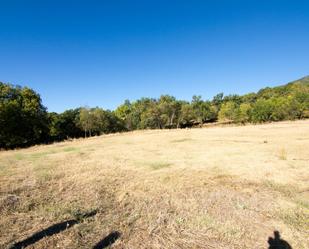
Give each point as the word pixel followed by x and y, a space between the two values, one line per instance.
pixel 53 229
pixel 107 241
pixel 277 242
pixel 56 228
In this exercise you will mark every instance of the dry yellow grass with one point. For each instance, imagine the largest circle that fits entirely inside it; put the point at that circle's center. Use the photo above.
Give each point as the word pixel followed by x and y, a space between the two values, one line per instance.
pixel 220 187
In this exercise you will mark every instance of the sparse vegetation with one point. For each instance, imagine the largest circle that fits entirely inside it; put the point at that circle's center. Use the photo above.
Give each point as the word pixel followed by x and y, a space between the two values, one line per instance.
pixel 159 165
pixel 196 188
pixel 69 149
pixel 181 140
pixel 282 154
pixel 296 217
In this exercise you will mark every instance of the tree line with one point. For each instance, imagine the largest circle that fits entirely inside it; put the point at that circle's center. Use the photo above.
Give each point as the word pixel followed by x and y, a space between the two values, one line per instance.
pixel 24 121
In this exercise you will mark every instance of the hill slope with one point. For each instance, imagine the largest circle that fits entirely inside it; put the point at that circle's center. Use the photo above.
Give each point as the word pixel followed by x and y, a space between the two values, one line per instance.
pixel 225 187
pixel 304 81
pixel 294 87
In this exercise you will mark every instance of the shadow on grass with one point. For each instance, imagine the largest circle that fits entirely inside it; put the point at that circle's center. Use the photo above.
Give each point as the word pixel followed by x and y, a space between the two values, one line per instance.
pixel 54 229
pixel 277 242
pixel 107 241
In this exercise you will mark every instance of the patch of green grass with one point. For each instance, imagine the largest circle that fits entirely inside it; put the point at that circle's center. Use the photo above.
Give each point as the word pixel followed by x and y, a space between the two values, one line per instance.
pixel 19 156
pixel 39 155
pixel 69 149
pixel 159 165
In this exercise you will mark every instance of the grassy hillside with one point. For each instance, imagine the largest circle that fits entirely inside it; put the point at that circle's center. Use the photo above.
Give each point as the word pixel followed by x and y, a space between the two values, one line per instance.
pixel 304 81
pixel 228 187
pixel 294 87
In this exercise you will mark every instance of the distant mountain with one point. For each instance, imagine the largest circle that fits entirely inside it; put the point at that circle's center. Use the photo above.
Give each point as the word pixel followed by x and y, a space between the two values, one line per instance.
pixel 293 87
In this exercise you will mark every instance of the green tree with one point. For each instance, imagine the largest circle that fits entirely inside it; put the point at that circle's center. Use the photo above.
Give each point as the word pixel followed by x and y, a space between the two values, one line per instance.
pixel 228 111
pixel 244 113
pixel 23 118
pixel 187 115
pixel 105 121
pixel 151 117
pixel 125 113
pixel 169 109
pixel 87 120
pixel 218 99
pixel 262 111
pixel 65 125
pixel 233 98
pixel 299 104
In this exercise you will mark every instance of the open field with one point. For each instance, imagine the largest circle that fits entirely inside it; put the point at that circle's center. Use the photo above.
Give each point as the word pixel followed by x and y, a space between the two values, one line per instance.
pixel 221 187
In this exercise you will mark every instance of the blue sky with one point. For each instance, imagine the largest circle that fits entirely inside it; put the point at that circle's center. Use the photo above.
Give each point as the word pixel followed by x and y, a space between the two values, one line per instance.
pixel 99 53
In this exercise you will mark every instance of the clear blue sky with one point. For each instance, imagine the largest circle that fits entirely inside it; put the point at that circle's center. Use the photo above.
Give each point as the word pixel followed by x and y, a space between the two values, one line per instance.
pixel 99 53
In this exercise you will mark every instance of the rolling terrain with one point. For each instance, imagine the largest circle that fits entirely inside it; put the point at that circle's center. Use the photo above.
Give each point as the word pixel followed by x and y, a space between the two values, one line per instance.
pixel 218 187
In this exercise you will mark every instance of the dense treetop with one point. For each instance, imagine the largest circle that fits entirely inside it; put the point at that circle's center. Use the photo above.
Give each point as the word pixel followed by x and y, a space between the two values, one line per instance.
pixel 24 121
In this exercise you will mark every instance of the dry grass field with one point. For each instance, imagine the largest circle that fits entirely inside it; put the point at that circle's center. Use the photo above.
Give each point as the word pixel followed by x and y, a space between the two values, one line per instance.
pixel 219 187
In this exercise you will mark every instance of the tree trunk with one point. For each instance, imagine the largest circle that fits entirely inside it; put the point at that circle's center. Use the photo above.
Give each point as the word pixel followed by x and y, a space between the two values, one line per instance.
pixel 172 119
